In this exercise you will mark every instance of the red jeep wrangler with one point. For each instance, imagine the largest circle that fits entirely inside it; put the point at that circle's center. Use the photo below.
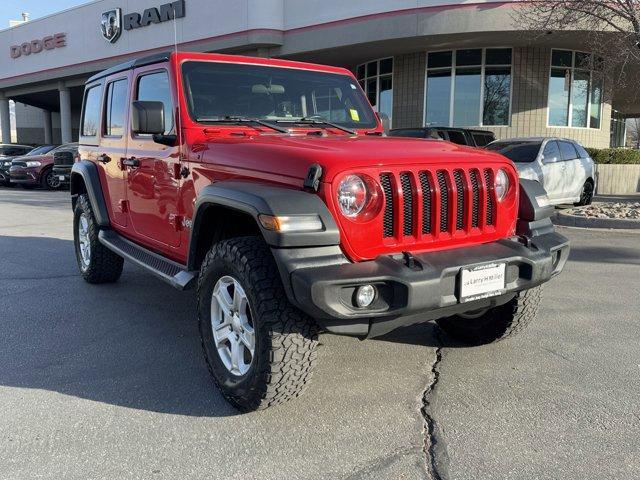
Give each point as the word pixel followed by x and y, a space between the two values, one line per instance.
pixel 268 186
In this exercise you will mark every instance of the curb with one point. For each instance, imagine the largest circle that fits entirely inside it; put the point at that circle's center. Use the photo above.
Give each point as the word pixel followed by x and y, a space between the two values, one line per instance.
pixel 585 222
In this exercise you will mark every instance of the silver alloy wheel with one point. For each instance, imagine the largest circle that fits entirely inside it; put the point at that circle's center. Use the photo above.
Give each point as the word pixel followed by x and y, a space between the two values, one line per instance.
pixel 83 241
pixel 52 180
pixel 232 326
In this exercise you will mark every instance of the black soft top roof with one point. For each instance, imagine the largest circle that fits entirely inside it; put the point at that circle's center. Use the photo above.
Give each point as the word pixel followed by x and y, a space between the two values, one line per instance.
pixel 137 62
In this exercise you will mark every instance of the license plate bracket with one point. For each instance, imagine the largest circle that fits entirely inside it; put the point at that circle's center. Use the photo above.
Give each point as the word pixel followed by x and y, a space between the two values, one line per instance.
pixel 482 281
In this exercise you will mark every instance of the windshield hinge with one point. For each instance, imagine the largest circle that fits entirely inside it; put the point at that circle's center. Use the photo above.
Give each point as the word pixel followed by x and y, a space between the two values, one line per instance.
pixel 313 177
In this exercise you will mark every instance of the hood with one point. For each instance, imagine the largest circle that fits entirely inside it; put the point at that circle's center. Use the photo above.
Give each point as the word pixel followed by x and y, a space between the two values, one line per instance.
pixel 42 158
pixel 291 155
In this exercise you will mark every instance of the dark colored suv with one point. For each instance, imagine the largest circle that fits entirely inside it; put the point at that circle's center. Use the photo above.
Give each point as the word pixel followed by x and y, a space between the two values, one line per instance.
pixel 7 153
pixel 37 170
pixel 461 136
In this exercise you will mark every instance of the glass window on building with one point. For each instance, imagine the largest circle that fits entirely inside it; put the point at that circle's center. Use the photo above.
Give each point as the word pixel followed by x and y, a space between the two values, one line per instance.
pixel 376 79
pixel 468 87
pixel 618 130
pixel 575 90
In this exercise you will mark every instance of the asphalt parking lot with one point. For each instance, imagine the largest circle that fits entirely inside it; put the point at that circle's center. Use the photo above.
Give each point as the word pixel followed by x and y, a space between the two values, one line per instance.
pixel 109 381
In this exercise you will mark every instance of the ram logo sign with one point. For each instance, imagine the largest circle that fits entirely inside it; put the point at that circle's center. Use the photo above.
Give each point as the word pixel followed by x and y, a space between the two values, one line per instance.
pixel 113 22
pixel 111 25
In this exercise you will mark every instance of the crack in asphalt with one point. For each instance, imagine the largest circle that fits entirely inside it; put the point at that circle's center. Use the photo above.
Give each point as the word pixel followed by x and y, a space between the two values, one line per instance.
pixel 435 449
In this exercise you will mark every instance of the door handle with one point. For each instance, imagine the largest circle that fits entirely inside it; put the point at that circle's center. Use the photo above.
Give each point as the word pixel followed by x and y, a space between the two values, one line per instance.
pixel 104 158
pixel 130 162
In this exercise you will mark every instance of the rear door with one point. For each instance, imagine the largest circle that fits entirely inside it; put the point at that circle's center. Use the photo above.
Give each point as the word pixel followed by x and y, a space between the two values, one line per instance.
pixel 552 168
pixel 154 182
pixel 105 144
pixel 573 174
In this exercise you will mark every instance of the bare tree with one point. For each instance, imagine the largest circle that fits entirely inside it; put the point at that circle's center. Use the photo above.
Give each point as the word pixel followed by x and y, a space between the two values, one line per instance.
pixel 633 132
pixel 612 26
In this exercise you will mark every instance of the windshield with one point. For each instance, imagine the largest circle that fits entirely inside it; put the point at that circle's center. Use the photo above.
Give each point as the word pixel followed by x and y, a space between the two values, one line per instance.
pixel 41 150
pixel 67 147
pixel 218 90
pixel 517 151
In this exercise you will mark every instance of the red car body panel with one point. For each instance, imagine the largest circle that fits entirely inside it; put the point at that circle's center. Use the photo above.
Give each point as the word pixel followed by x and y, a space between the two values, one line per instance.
pixel 151 204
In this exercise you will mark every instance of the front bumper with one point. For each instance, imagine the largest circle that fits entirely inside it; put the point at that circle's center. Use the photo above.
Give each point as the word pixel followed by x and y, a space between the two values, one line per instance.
pixel 427 290
pixel 27 176
pixel 63 174
pixel 4 175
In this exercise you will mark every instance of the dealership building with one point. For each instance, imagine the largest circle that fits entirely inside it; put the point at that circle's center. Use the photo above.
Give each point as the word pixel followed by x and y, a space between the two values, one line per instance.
pixel 422 62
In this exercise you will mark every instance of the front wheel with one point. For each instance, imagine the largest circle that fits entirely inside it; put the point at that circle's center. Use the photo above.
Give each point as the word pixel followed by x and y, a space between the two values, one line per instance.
pixel 496 323
pixel 259 348
pixel 49 181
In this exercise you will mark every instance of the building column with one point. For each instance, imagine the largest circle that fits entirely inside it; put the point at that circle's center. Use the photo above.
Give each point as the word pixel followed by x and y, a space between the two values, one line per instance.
pixel 5 119
pixel 46 124
pixel 65 113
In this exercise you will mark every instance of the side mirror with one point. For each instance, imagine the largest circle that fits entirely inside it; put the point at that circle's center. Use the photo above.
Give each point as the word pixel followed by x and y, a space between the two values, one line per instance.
pixel 384 119
pixel 147 117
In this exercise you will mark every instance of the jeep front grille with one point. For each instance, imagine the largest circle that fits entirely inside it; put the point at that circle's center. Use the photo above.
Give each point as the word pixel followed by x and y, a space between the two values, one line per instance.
pixel 448 202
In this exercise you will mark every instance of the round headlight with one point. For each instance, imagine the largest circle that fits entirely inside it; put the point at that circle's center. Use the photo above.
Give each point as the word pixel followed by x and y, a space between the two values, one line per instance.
pixel 353 195
pixel 501 184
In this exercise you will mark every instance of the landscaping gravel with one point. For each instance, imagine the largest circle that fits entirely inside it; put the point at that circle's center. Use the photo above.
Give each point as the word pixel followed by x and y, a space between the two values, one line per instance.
pixel 628 211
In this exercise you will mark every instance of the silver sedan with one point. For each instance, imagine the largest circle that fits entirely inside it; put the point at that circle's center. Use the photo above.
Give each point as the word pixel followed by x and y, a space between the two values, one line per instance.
pixel 563 167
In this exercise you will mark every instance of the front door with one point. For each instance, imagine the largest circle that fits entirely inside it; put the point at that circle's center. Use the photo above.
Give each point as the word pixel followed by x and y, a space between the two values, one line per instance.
pixel 153 183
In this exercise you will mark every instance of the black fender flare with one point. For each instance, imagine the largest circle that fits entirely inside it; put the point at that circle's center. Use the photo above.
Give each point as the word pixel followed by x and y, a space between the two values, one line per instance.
pixel 256 198
pixel 534 211
pixel 88 172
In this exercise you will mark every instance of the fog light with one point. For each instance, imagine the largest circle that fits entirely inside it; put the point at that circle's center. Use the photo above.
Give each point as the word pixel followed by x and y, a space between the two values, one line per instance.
pixel 365 295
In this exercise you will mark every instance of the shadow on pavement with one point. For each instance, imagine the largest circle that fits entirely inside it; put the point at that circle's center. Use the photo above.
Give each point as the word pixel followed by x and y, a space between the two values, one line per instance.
pixel 134 343
pixel 612 254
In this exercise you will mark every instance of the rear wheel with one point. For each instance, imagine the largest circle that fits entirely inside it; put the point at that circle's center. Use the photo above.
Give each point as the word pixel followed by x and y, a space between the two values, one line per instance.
pixel 498 323
pixel 586 196
pixel 96 262
pixel 260 349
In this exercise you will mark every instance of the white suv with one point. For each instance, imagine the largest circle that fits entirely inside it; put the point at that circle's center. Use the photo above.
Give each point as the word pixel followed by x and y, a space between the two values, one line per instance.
pixel 563 167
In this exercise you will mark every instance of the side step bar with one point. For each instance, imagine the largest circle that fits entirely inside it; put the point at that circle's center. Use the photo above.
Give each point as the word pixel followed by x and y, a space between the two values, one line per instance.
pixel 171 272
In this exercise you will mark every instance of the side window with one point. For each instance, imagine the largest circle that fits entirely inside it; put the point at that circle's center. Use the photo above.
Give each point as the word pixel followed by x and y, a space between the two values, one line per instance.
pixel 482 139
pixel 568 151
pixel 581 151
pixel 155 87
pixel 91 111
pixel 551 152
pixel 457 136
pixel 414 133
pixel 115 105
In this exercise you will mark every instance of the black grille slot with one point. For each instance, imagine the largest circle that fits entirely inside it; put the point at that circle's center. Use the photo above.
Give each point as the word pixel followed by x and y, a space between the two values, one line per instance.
pixel 389 207
pixel 426 202
pixel 457 176
pixel 407 204
pixel 490 203
pixel 475 198
pixel 444 201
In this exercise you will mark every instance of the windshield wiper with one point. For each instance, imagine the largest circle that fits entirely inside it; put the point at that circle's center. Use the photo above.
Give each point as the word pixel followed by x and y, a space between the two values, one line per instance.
pixel 230 119
pixel 318 120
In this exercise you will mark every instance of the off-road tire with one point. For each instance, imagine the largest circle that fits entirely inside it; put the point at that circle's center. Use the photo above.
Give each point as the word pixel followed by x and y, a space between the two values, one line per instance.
pixel 586 194
pixel 496 323
pixel 285 338
pixel 104 266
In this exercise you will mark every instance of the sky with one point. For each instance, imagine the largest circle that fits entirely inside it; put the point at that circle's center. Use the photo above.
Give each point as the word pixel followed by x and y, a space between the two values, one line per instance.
pixel 12 9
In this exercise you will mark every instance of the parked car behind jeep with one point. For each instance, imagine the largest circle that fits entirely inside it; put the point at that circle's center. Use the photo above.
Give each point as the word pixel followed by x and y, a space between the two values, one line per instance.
pixel 460 136
pixel 8 152
pixel 267 185
pixel 31 171
pixel 563 167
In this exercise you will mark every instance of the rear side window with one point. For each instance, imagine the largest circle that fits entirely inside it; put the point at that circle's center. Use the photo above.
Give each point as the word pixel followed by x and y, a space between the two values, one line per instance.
pixel 115 105
pixel 91 111
pixel 414 133
pixel 458 137
pixel 568 151
pixel 581 151
pixel 155 87
pixel 482 139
